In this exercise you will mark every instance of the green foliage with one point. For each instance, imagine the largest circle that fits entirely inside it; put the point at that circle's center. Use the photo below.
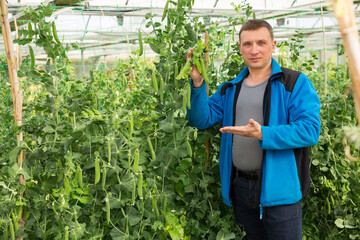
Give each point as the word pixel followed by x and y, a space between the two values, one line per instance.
pixel 332 208
pixel 111 157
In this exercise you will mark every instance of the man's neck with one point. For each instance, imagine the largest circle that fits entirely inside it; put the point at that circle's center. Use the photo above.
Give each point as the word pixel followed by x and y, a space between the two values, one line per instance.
pixel 257 76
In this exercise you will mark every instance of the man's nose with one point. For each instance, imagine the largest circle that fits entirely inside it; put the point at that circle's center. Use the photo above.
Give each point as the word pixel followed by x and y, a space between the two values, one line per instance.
pixel 254 49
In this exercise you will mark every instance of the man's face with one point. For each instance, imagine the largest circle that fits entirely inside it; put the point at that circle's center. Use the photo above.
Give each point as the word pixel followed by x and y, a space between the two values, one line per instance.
pixel 256 47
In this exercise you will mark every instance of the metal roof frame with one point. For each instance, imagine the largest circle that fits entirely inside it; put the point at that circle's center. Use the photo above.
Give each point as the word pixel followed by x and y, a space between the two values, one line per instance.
pixel 96 42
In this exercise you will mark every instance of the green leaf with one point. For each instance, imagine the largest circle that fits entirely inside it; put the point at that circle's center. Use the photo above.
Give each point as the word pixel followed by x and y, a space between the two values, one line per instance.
pixel 315 162
pixel 22 41
pixel 348 223
pixel 173 226
pixel 148 15
pixel 14 154
pixel 20 170
pixel 224 236
pixel 84 199
pixel 117 235
pixel 48 129
pixel 155 48
pixel 339 223
pixel 179 187
pixel 134 216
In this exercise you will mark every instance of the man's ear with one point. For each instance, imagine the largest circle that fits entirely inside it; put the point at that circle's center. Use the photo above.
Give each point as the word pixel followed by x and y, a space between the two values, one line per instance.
pixel 274 46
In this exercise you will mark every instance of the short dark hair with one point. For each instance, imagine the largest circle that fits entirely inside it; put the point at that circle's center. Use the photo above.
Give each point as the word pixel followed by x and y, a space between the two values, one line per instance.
pixel 255 24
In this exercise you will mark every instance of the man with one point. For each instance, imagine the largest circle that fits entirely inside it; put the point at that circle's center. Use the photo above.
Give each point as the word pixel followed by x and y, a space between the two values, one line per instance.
pixel 270 116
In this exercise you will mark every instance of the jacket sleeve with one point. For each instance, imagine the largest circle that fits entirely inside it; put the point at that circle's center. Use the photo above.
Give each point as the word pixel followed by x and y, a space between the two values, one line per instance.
pixel 205 111
pixel 303 129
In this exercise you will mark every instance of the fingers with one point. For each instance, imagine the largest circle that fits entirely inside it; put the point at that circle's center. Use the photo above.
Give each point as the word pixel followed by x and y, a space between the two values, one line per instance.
pixel 189 54
pixel 253 129
pixel 252 122
pixel 233 130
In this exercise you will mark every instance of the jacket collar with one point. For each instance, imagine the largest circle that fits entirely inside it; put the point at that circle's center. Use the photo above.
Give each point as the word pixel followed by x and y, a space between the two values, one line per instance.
pixel 275 72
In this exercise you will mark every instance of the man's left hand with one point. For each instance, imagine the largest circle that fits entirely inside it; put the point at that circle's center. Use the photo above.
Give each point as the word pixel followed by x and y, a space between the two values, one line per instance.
pixel 253 129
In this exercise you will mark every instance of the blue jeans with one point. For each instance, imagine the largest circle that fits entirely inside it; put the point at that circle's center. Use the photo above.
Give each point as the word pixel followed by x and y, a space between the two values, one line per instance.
pixel 282 222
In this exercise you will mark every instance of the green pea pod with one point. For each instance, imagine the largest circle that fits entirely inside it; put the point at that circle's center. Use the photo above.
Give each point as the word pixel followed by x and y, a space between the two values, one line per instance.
pixel 67 186
pixel 204 74
pixel 12 230
pixel 116 121
pixel 175 76
pixel 103 182
pixel 332 200
pixel 233 33
pixel 188 146
pixel 20 211
pixel 198 65
pixel 165 203
pixel 140 186
pixel 6 234
pixel 136 161
pixel 155 82
pixel 56 37
pixel 195 134
pixel 66 229
pixel 107 202
pixel 141 48
pixel 30 30
pixel 153 155
pixel 184 103
pixel 109 150
pixel 154 205
pixel 184 70
pixel 133 193
pixel 124 79
pixel 165 10
pixel 129 158
pixel 79 176
pixel 15 221
pixel 188 100
pixel 161 91
pixel 328 206
pixel 97 170
pixel 60 175
pixel 131 124
pixel 74 235
pixel 32 57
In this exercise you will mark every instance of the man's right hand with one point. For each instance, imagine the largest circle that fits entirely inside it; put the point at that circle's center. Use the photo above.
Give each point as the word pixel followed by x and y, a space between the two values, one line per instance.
pixel 194 73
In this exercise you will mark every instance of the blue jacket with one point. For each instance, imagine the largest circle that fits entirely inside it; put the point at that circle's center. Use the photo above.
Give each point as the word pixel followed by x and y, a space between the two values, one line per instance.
pixel 291 122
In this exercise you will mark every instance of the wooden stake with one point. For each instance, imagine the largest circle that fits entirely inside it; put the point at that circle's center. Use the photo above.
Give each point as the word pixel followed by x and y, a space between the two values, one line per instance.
pixel 207 56
pixel 18 59
pixel 17 96
pixel 344 12
pixel 325 52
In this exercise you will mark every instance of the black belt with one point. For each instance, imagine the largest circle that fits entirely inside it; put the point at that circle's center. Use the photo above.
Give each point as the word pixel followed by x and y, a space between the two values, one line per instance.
pixel 248 175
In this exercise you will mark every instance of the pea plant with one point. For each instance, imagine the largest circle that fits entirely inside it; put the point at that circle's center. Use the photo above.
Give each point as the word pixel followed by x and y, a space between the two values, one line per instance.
pixel 111 156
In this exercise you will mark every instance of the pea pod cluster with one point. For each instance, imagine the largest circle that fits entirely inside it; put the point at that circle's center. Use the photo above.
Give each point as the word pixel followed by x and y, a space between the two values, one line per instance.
pixel 196 60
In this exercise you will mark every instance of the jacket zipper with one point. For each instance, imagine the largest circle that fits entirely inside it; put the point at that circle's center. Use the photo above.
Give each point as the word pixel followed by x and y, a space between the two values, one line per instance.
pixel 267 98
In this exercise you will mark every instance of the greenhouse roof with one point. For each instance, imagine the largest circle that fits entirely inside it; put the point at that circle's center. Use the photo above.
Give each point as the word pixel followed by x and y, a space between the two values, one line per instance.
pixel 109 28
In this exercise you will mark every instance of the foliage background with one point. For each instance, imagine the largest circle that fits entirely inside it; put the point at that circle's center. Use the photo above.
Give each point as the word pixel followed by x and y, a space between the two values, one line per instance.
pixel 110 116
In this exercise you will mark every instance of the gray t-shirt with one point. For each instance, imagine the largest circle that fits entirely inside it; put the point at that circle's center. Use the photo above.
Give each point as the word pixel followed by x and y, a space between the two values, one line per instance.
pixel 246 151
